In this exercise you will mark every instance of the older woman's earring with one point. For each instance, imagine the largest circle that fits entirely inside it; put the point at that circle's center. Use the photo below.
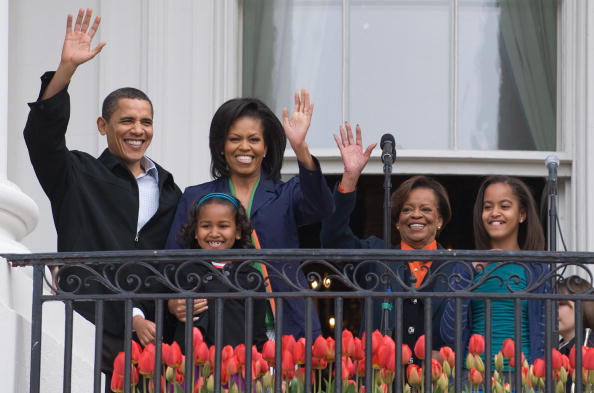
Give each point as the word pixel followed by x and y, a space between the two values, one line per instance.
pixel 439 227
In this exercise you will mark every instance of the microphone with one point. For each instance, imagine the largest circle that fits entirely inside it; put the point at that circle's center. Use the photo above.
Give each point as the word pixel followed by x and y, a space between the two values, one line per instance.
pixel 552 163
pixel 388 146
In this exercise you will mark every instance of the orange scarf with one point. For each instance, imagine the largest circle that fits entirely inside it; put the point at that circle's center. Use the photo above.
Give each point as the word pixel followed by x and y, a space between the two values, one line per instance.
pixel 419 268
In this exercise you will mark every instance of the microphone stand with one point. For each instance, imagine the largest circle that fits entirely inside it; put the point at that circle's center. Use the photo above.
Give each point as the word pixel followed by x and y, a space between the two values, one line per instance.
pixel 386 304
pixel 552 198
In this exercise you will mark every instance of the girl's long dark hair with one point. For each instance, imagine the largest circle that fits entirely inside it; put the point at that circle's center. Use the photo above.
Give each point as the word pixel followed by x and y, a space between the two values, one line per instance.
pixel 187 234
pixel 530 233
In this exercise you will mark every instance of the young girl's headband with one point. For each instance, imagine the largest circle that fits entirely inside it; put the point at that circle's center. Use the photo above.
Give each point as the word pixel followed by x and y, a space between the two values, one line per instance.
pixel 228 197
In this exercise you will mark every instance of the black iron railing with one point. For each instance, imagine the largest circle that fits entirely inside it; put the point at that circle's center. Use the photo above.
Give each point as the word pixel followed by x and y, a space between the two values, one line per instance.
pixel 100 277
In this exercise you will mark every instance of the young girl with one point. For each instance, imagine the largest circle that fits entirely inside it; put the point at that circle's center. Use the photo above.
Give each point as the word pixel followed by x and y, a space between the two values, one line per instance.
pixel 217 221
pixel 505 218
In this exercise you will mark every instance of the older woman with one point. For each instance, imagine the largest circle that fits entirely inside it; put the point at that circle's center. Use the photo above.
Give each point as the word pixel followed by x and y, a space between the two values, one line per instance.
pixel 247 144
pixel 420 210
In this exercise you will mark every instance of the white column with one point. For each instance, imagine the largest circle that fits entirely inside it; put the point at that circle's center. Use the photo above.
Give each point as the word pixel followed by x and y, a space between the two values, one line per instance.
pixel 577 77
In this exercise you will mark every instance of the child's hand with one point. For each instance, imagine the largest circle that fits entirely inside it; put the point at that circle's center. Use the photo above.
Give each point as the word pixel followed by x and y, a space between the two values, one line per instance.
pixel 145 330
pixel 178 308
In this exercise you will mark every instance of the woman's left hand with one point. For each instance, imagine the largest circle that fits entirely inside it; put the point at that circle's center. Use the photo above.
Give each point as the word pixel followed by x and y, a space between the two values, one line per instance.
pixel 297 125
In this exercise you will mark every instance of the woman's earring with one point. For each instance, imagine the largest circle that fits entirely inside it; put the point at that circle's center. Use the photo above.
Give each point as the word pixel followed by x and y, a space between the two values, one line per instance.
pixel 439 227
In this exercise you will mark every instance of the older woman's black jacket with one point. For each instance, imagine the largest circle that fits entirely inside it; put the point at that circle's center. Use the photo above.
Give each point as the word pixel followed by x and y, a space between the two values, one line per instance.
pixel 336 233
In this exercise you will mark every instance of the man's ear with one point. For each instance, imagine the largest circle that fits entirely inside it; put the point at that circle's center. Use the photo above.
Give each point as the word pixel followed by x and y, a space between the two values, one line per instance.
pixel 101 125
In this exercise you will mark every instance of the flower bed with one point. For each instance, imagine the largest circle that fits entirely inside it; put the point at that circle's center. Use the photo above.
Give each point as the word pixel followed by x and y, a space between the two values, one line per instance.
pixel 383 352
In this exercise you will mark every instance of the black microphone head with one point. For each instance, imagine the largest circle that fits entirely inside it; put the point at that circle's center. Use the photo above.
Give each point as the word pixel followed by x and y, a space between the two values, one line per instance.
pixel 552 159
pixel 387 138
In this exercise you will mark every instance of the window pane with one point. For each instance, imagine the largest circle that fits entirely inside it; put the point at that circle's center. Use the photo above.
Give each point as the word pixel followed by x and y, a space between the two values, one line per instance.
pixel 507 75
pixel 290 45
pixel 400 71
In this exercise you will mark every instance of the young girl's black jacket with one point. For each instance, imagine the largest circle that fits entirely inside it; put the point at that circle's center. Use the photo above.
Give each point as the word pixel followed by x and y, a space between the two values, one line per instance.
pixel 234 276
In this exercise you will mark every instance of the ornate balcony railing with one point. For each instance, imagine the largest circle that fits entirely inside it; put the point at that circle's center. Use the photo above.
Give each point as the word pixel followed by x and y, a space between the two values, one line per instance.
pixel 99 277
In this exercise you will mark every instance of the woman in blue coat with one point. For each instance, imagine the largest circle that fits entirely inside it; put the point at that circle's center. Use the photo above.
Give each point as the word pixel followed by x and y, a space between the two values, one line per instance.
pixel 247 144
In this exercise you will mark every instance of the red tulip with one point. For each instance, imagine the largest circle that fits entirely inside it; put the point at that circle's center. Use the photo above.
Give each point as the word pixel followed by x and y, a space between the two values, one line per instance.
pixel 164 351
pixel 240 354
pixel 512 361
pixel 196 336
pixel 508 349
pixel 414 375
pixel 420 347
pixel 146 363
pixel 117 383
pixel 173 357
pixel 136 349
pixel 179 377
pixel 201 353
pixel 319 363
pixel 384 353
pixel 588 360
pixel 299 351
pixel 330 350
pixel 476 345
pixel 348 343
pixel 448 355
pixel 359 351
pixel 319 348
pixel 557 360
pixel 268 351
pixel 345 368
pixel 288 364
pixel 435 369
pixel 475 377
pixel 198 385
pixel 406 354
pixel 565 362
pixel 376 340
pixel 288 342
pixel 211 355
pixel 227 352
pixel 360 368
pixel 526 380
pixel 119 364
pixel 538 369
pixel 232 365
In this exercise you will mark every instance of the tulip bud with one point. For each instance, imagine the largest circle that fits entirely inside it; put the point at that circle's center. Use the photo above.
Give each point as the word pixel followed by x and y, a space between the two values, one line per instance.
pixel 267 381
pixel 563 375
pixel 479 364
pixel 446 369
pixel 407 388
pixel 210 384
pixel 205 371
pixel 414 374
pixel 499 362
pixel 470 361
pixel 475 377
pixel 259 388
pixel 498 388
pixel 170 374
pixel 560 388
pixel 234 389
pixel 443 382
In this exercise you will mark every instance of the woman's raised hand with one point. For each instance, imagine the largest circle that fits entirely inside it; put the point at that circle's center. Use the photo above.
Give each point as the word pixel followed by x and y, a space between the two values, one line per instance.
pixel 354 158
pixel 77 43
pixel 297 125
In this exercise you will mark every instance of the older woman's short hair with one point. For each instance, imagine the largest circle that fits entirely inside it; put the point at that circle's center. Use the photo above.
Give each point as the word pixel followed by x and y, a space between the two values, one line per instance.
pixel 400 196
pixel 274 135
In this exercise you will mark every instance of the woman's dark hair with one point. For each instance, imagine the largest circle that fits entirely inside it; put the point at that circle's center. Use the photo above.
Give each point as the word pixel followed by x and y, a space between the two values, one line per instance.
pixel 400 196
pixel 530 233
pixel 187 234
pixel 274 135
pixel 578 285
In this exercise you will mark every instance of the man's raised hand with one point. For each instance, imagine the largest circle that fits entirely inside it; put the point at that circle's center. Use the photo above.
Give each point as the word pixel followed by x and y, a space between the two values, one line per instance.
pixel 77 43
pixel 75 51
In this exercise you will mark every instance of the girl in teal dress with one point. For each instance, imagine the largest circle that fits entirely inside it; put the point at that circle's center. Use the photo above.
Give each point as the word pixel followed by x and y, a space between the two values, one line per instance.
pixel 505 218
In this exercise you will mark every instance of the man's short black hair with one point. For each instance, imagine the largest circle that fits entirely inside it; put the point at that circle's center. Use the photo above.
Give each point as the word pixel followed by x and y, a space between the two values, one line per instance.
pixel 110 103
